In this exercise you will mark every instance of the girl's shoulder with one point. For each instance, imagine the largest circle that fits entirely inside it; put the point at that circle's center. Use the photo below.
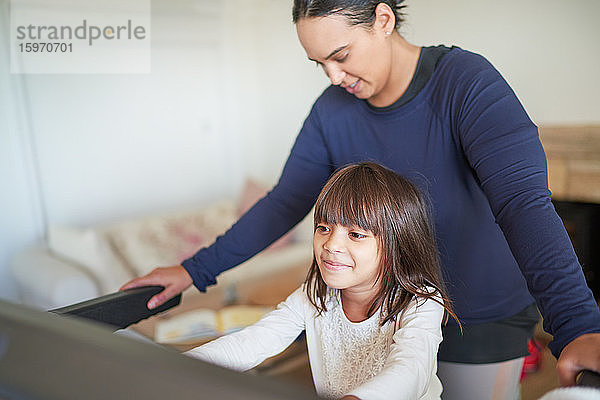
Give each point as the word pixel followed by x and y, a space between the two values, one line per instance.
pixel 298 295
pixel 298 300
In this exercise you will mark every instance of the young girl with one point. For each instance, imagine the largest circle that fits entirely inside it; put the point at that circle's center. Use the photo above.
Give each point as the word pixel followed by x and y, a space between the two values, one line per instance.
pixel 373 301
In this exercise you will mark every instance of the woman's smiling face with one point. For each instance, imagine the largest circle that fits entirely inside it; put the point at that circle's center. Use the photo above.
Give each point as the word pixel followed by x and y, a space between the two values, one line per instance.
pixel 355 57
pixel 348 257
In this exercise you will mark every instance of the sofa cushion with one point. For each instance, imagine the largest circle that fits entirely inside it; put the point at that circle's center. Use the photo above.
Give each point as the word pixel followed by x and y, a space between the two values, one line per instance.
pixel 89 249
pixel 115 253
pixel 146 243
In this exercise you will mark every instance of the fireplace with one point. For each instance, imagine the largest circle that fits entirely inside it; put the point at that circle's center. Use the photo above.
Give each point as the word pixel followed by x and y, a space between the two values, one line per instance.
pixel 573 154
pixel 582 221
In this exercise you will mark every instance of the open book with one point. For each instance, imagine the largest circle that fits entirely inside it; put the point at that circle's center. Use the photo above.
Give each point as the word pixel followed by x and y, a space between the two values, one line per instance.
pixel 202 324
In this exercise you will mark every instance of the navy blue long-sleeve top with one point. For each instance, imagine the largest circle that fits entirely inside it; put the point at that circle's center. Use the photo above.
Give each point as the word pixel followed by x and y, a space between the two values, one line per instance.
pixel 466 140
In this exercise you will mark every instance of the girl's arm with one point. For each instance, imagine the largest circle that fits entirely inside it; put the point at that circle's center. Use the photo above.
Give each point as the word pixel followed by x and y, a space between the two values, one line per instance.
pixel 410 369
pixel 249 347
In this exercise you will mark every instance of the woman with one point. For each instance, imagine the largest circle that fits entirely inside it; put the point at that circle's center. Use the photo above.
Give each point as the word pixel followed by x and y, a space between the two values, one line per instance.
pixel 447 119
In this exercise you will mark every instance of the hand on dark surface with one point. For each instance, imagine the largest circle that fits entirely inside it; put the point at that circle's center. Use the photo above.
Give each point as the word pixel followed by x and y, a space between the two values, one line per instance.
pixel 581 353
pixel 175 279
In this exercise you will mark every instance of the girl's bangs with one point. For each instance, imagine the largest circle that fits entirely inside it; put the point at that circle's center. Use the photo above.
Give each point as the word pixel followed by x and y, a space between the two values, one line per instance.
pixel 343 205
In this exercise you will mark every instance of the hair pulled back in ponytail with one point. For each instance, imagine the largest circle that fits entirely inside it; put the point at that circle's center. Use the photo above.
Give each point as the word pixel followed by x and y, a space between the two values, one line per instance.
pixel 357 12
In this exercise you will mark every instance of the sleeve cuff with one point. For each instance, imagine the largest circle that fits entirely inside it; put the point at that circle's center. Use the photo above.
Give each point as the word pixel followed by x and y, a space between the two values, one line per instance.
pixel 200 275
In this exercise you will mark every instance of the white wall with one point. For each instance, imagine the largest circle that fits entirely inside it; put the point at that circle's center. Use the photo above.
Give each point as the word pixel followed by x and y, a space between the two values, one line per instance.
pixel 20 217
pixel 229 88
pixel 118 145
pixel 115 145
pixel 548 50
pixel 271 80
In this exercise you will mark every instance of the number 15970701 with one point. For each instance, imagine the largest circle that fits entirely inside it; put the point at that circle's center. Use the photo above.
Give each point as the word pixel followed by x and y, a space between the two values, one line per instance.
pixel 43 47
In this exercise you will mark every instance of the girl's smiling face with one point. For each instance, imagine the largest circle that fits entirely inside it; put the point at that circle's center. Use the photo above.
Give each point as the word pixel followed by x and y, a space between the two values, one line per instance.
pixel 355 57
pixel 348 257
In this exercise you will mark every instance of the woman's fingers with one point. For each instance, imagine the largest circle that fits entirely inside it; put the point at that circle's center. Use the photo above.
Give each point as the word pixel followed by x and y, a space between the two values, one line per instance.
pixel 581 353
pixel 163 296
pixel 145 280
pixel 175 279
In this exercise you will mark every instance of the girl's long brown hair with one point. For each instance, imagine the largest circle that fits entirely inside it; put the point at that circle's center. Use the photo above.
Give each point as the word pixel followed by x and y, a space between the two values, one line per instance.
pixel 374 198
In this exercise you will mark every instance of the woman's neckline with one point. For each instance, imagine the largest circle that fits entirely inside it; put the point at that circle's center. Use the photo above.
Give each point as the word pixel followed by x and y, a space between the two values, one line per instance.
pixel 429 58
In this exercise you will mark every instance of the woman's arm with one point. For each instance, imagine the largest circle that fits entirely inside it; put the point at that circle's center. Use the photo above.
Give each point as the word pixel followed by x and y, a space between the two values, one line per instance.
pixel 410 369
pixel 249 347
pixel 503 148
pixel 307 169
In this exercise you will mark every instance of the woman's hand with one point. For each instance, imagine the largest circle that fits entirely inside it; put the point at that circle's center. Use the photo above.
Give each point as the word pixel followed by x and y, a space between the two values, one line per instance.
pixel 581 353
pixel 175 279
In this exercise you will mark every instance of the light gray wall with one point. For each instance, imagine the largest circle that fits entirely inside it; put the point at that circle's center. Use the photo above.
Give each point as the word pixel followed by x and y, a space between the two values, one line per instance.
pixel 20 212
pixel 548 50
pixel 229 89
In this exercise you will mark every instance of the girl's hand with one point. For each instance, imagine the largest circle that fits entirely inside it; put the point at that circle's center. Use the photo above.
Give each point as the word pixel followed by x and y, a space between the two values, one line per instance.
pixel 175 279
pixel 581 353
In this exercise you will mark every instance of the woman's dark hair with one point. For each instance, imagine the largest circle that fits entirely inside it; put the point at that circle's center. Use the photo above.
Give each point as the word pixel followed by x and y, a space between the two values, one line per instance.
pixel 374 198
pixel 358 12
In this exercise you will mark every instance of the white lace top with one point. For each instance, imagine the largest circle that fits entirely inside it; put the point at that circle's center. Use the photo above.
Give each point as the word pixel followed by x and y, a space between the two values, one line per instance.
pixel 352 352
pixel 395 361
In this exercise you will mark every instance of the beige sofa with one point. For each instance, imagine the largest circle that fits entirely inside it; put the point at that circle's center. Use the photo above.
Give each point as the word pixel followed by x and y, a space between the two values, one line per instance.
pixel 82 263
